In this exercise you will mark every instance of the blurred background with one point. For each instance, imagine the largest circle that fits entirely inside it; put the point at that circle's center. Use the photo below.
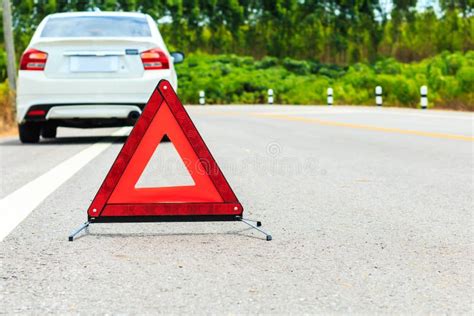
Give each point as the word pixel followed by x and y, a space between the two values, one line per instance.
pixel 237 49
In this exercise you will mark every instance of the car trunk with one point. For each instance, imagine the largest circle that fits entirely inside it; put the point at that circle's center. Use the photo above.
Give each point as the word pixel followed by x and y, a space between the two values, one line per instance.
pixel 71 58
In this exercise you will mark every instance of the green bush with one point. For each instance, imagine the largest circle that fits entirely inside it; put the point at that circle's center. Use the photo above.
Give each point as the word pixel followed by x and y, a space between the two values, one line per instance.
pixel 3 65
pixel 235 79
pixel 297 66
pixel 388 66
pixel 465 76
pixel 454 62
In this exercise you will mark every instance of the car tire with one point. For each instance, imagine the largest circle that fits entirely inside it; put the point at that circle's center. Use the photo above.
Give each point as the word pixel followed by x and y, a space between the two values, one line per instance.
pixel 49 131
pixel 29 133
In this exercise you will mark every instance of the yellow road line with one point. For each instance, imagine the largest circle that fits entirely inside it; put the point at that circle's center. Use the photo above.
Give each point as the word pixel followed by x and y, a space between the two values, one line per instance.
pixel 347 125
pixel 367 127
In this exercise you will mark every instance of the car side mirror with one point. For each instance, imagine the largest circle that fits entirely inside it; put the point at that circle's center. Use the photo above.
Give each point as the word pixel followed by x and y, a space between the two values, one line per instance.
pixel 178 57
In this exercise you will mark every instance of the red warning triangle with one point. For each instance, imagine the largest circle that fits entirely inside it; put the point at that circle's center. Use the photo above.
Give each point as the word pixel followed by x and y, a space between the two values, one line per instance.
pixel 119 199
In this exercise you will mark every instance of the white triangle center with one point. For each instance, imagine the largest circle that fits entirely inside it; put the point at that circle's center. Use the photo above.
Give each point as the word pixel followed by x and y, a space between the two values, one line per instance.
pixel 165 169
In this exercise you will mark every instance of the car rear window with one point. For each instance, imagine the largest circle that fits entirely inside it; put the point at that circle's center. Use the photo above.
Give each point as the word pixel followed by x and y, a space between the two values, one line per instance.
pixel 96 26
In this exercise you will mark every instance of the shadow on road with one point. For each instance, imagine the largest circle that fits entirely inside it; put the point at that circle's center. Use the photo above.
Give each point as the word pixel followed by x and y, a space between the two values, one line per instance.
pixel 69 141
pixel 240 232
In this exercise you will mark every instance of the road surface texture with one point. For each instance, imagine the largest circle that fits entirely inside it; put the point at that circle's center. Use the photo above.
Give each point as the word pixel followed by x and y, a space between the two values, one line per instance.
pixel 371 211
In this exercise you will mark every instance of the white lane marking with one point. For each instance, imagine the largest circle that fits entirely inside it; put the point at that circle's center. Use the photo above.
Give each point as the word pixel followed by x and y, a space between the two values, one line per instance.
pixel 14 208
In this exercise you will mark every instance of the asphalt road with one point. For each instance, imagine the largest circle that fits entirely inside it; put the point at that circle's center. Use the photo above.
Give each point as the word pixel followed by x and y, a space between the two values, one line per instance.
pixel 371 210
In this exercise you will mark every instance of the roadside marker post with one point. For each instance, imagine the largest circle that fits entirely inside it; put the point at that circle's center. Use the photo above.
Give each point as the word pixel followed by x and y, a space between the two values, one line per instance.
pixel 209 199
pixel 424 97
pixel 378 95
pixel 202 97
pixel 330 96
pixel 270 96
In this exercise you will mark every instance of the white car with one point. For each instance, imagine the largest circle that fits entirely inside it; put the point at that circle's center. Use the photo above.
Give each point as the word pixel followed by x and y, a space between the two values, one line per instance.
pixel 90 69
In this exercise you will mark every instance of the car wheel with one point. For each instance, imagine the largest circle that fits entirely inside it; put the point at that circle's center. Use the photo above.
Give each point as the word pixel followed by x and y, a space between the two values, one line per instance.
pixel 49 131
pixel 29 132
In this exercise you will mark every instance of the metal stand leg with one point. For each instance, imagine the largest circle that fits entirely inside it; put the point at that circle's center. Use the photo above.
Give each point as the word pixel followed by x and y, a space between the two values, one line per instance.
pixel 83 226
pixel 247 221
pixel 259 223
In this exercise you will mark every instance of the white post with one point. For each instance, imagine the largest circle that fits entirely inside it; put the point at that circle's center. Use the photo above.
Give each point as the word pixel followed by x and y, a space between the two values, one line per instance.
pixel 424 97
pixel 202 97
pixel 270 96
pixel 330 96
pixel 378 95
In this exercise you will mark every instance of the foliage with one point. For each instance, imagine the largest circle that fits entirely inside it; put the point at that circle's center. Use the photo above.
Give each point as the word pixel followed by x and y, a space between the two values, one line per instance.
pixel 234 79
pixel 7 119
pixel 3 64
pixel 338 32
pixel 299 48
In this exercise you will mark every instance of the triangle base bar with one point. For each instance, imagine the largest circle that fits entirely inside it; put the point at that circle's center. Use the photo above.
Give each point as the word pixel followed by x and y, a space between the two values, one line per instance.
pixel 170 218
pixel 165 209
pixel 142 219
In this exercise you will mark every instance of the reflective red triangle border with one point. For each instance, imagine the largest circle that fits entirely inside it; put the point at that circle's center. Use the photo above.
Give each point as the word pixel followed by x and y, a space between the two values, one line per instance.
pixel 101 210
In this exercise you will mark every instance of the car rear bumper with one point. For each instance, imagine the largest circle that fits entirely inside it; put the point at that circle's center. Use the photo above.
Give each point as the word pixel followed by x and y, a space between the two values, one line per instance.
pixel 84 116
pixel 85 98
pixel 91 111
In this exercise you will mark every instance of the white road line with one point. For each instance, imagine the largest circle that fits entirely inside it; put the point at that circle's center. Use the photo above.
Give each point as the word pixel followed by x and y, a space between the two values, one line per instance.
pixel 15 207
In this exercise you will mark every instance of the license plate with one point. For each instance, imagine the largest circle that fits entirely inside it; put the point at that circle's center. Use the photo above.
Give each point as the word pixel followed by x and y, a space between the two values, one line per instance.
pixel 93 63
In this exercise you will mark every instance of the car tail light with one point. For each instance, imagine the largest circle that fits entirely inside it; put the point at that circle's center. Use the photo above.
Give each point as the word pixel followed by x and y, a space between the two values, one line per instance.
pixel 154 58
pixel 33 59
pixel 36 113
